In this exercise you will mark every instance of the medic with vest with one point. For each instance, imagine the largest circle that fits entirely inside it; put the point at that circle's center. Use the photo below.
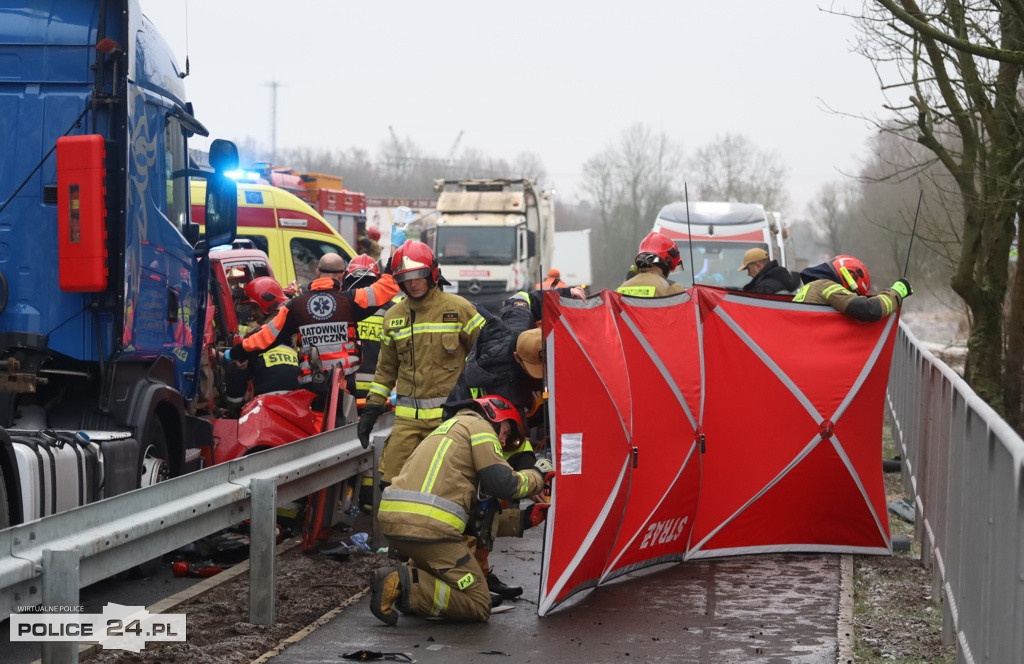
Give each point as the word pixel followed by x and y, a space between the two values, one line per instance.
pixel 324 318
pixel 657 258
pixel 423 347
pixel 275 369
pixel 844 284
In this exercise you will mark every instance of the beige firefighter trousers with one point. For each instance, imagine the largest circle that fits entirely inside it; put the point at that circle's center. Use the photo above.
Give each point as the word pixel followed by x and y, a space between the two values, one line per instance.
pixel 446 580
pixel 406 434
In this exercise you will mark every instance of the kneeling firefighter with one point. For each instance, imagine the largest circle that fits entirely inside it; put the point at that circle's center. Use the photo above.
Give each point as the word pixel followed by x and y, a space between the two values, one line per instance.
pixel 425 513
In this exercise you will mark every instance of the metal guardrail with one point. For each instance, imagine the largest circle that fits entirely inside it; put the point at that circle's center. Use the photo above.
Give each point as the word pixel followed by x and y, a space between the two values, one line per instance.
pixel 106 537
pixel 965 467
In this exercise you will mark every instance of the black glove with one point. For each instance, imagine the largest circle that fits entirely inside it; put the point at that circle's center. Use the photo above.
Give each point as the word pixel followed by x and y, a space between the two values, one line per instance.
pixel 366 421
pixel 902 286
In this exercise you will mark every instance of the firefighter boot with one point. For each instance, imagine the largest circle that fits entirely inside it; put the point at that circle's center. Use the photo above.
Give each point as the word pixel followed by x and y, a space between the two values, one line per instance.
pixel 389 586
pixel 498 587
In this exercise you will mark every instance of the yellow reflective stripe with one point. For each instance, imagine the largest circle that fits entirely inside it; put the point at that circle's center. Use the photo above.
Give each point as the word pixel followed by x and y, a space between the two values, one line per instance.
pixel 475 322
pixel 524 484
pixel 418 413
pixel 485 438
pixel 887 303
pixel 381 389
pixel 427 328
pixel 637 291
pixel 801 294
pixel 363 385
pixel 429 511
pixel 831 290
pixel 441 594
pixel 435 465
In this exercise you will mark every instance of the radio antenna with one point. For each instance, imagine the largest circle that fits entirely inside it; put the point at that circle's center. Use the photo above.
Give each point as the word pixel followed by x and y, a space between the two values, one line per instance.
pixel 689 236
pixel 913 231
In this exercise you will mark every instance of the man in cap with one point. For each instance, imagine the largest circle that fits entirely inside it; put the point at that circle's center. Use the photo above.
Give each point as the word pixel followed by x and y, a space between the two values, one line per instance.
pixel 767 276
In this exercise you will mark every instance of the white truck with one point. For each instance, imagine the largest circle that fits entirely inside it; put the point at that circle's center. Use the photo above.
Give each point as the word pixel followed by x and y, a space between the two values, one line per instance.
pixel 491 237
pixel 572 257
pixel 716 235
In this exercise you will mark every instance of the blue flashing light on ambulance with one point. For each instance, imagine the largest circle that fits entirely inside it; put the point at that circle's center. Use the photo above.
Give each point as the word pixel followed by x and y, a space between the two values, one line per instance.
pixel 103 273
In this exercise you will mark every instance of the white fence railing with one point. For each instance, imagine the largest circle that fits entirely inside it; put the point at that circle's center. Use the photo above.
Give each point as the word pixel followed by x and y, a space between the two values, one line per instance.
pixel 965 467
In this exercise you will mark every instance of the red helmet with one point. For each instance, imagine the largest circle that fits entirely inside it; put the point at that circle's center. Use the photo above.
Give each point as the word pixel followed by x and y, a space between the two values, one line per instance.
pixel 498 409
pixel 852 274
pixel 265 293
pixel 414 260
pixel 361 266
pixel 660 247
pixel 373 233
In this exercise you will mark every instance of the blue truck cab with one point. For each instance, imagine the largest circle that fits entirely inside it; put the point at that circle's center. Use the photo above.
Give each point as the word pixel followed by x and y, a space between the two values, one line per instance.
pixel 103 274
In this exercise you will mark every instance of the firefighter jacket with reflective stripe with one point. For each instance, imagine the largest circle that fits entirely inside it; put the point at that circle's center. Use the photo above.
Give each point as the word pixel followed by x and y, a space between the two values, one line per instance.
pixel 274 370
pixel 323 317
pixel 649 282
pixel 423 347
pixel 433 496
pixel 868 309
pixel 368 333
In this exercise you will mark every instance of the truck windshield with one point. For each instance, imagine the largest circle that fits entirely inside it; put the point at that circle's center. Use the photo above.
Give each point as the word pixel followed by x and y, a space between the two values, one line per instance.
pixel 717 263
pixel 476 245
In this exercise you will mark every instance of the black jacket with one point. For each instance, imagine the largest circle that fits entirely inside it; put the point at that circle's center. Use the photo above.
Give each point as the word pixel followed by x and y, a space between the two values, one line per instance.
pixel 773 279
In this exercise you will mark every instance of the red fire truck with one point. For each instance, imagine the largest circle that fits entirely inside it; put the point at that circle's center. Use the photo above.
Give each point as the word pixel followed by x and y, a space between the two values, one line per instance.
pixel 342 208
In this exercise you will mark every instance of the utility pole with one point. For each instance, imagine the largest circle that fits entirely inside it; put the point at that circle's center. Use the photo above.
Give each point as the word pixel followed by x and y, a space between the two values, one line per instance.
pixel 273 85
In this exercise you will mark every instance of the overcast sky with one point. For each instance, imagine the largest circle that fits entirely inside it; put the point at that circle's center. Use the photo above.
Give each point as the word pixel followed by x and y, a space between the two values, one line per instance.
pixel 558 78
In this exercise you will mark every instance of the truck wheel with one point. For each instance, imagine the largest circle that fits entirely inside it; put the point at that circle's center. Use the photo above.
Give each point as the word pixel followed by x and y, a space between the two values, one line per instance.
pixel 155 467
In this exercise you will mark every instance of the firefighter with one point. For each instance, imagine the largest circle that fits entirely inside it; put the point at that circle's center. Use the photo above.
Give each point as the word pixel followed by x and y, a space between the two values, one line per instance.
pixel 370 243
pixel 844 284
pixel 324 318
pixel 363 271
pixel 554 280
pixel 424 513
pixel 275 369
pixel 658 257
pixel 766 275
pixel 423 347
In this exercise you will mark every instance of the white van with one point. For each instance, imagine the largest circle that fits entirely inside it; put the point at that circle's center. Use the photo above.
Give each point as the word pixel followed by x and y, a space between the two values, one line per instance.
pixel 717 236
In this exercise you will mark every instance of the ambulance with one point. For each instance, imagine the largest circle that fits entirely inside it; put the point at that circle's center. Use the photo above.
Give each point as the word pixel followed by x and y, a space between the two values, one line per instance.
pixel 713 236
pixel 284 226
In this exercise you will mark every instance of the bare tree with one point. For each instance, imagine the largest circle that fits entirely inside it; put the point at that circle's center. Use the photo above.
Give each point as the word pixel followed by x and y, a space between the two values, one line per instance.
pixel 952 70
pixel 628 183
pixel 732 168
pixel 830 210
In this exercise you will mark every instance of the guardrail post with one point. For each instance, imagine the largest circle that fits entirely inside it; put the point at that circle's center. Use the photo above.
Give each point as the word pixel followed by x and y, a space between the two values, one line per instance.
pixel 261 551
pixel 60 588
pixel 376 535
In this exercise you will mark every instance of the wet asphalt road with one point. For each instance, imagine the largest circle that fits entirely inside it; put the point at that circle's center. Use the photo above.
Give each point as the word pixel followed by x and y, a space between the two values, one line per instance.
pixel 769 608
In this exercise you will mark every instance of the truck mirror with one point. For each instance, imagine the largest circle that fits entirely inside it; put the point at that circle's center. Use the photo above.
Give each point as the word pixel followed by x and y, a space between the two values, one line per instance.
pixel 221 209
pixel 223 156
